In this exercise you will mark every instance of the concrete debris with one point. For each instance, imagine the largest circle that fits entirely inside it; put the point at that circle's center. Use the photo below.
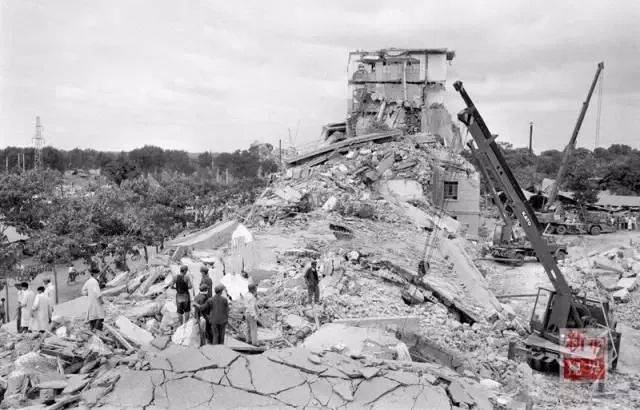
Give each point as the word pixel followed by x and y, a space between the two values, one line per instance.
pixel 132 332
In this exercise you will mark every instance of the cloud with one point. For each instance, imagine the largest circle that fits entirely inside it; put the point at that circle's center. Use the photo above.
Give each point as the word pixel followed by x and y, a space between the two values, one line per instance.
pixel 218 75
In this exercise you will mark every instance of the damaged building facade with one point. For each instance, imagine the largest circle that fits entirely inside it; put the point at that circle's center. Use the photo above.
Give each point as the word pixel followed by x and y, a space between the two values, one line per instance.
pixel 395 93
pixel 399 89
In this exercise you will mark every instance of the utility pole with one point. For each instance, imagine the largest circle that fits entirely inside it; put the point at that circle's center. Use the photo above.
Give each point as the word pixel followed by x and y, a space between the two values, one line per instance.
pixel 531 137
pixel 38 144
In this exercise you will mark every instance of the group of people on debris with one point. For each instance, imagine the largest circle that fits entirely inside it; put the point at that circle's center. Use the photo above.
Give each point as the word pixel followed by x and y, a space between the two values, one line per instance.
pixel 212 305
pixel 34 309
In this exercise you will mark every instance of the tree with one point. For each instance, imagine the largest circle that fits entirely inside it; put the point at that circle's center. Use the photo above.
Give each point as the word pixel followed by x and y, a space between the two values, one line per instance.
pixel 120 169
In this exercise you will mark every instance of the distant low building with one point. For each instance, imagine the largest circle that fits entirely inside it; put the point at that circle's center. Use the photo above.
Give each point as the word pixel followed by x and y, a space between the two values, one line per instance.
pixel 611 201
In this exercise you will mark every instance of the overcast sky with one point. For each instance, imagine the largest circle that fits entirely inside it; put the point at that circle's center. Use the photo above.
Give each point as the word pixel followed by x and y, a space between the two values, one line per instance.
pixel 217 75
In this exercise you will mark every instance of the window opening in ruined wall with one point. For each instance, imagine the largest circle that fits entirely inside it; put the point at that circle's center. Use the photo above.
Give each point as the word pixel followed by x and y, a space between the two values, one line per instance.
pixel 450 190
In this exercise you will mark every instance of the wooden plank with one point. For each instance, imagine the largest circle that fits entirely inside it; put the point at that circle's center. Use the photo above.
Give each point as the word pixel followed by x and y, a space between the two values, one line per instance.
pixel 119 337
pixel 363 139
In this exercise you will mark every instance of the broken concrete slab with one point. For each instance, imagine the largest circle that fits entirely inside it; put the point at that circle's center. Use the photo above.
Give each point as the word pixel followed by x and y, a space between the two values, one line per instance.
pixel 186 393
pixel 219 355
pixel 262 372
pixel 621 295
pixel 298 396
pixel 353 340
pixel 344 389
pixel 433 397
pixel 605 264
pixel 369 372
pixel 239 376
pixel 322 391
pixel 228 397
pixel 408 323
pixel 404 378
pixel 295 357
pixel 159 363
pixel 628 283
pixel 75 383
pixel 187 359
pixel 133 389
pixel 370 390
pixel 210 375
pixel 459 395
pixel 403 397
pixel 161 342
pixel 609 282
pixel 150 308
pixel 132 332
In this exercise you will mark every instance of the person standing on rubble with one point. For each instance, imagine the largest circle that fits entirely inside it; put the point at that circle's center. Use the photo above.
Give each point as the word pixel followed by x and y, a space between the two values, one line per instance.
pixel 91 289
pixel 249 279
pixel 41 312
pixel 19 306
pixel 183 287
pixel 50 291
pixel 206 280
pixel 251 314
pixel 3 311
pixel 219 315
pixel 25 306
pixel 203 310
pixel 311 277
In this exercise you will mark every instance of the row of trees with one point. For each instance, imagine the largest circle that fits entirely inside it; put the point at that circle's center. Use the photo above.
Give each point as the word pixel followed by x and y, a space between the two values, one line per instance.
pixel 148 159
pixel 111 219
pixel 616 169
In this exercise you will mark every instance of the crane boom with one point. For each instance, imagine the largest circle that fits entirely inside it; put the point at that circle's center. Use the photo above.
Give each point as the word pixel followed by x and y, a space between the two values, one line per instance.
pixel 491 154
pixel 574 136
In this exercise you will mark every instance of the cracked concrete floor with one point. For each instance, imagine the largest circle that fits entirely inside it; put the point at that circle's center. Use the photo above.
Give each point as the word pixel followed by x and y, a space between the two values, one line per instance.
pixel 217 377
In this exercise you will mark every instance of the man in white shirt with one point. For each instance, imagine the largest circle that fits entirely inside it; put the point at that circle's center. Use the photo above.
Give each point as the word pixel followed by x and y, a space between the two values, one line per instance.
pixel 26 305
pixel 251 315
pixel 41 312
pixel 50 291
pixel 95 311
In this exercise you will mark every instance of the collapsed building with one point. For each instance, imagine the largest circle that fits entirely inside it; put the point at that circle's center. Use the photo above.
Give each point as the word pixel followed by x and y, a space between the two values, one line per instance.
pixel 398 92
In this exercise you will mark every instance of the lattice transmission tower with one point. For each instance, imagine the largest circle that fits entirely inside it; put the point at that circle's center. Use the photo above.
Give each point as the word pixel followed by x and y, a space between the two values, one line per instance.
pixel 38 144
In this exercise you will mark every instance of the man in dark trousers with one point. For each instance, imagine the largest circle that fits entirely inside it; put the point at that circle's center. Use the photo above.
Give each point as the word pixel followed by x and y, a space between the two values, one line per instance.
pixel 206 280
pixel 182 284
pixel 218 307
pixel 219 315
pixel 202 309
pixel 311 277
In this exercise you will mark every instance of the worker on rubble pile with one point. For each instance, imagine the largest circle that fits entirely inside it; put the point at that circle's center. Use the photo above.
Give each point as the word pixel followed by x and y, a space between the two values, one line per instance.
pixel 3 311
pixel 202 309
pixel 219 315
pixel 19 306
pixel 251 315
pixel 25 307
pixel 50 291
pixel 313 281
pixel 205 279
pixel 91 289
pixel 249 279
pixel 182 285
pixel 41 312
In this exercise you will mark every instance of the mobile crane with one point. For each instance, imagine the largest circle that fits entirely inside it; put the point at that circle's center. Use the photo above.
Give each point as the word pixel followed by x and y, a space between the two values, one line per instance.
pixel 507 246
pixel 555 309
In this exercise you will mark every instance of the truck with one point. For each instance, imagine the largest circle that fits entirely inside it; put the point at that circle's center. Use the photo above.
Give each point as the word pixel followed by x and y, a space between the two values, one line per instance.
pixel 575 220
pixel 559 311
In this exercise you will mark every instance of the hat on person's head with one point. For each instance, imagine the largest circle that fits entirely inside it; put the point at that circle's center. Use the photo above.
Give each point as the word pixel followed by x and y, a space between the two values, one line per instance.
pixel 314 262
pixel 219 288
pixel 204 269
pixel 183 268
pixel 204 287
pixel 24 284
pixel 40 288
